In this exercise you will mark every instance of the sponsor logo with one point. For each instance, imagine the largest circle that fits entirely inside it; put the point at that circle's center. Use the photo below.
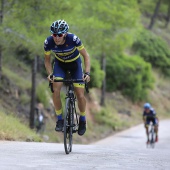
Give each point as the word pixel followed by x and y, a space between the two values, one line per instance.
pixel 46 42
pixel 78 40
pixel 64 58
pixel 81 84
pixel 74 38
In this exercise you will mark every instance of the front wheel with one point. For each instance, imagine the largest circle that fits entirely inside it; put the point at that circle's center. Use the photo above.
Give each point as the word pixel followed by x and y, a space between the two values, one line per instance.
pixel 152 137
pixel 68 126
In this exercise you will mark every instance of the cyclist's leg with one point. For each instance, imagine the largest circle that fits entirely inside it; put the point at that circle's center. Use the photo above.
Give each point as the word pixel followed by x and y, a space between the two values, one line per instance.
pixel 82 106
pixel 155 123
pixel 59 73
pixel 56 97
pixel 147 128
pixel 79 91
pixel 79 88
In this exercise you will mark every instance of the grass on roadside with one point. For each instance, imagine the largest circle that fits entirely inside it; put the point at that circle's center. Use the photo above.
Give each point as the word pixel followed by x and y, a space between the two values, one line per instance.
pixel 19 81
pixel 12 129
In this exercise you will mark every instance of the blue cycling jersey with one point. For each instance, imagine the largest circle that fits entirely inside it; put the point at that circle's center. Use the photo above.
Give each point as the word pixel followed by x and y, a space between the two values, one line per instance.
pixel 151 114
pixel 68 52
pixel 67 57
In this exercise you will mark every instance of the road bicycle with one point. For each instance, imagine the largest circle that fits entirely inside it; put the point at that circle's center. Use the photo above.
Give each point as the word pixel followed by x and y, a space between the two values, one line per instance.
pixel 152 136
pixel 71 117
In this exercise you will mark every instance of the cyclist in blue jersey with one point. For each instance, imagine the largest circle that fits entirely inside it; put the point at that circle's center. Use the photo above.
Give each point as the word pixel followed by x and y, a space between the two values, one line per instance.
pixel 67 48
pixel 149 115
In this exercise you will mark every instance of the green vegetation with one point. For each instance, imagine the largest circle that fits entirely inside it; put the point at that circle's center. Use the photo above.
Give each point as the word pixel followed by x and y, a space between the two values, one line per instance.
pixel 43 93
pixel 12 129
pixel 16 79
pixel 111 119
pixel 24 98
pixel 30 31
pixel 113 22
pixel 147 7
pixel 131 75
pixel 97 74
pixel 154 50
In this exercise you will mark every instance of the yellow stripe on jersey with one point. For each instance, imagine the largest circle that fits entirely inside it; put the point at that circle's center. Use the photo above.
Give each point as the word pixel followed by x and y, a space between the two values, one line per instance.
pixel 47 52
pixel 68 61
pixel 80 47
pixel 81 85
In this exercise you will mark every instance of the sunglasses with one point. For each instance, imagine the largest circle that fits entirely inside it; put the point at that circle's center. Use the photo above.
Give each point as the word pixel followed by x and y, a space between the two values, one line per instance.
pixel 58 35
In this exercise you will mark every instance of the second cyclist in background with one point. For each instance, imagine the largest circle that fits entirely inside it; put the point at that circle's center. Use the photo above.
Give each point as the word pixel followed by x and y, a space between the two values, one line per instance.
pixel 149 115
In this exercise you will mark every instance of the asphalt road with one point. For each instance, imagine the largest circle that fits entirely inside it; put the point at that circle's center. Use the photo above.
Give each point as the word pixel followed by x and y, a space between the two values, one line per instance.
pixel 123 151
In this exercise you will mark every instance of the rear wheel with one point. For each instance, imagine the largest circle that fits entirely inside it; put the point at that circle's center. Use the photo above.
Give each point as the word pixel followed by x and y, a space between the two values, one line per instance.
pixel 68 129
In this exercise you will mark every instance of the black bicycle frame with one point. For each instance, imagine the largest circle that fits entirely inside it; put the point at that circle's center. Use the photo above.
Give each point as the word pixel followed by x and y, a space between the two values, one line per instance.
pixel 70 94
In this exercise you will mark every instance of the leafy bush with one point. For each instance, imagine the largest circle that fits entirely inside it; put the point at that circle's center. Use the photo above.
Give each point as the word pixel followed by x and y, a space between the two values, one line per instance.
pixel 131 75
pixel 97 74
pixel 153 49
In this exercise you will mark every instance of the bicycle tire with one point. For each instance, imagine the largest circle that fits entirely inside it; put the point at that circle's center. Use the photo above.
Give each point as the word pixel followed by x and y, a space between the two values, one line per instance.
pixel 71 125
pixel 68 129
pixel 152 137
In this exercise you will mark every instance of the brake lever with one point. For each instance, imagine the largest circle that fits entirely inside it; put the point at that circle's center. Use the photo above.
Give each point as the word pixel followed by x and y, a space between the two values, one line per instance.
pixel 86 87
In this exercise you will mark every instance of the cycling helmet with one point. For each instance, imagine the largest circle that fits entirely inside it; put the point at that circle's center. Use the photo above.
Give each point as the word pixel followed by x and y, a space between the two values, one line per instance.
pixel 59 27
pixel 147 106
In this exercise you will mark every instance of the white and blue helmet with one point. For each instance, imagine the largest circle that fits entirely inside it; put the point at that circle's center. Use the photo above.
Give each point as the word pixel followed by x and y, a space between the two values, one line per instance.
pixel 59 27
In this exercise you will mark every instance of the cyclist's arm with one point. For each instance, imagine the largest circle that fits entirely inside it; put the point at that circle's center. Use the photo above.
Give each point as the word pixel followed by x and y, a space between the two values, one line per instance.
pixel 47 53
pixel 144 119
pixel 47 63
pixel 86 57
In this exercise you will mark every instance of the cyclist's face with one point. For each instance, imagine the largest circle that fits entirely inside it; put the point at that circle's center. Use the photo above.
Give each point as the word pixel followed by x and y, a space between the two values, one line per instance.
pixel 147 110
pixel 59 38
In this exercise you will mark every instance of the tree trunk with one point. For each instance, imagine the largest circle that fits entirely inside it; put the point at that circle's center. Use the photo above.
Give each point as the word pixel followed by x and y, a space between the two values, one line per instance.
pixel 33 92
pixel 154 14
pixel 103 90
pixel 1 21
pixel 38 64
pixel 168 16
